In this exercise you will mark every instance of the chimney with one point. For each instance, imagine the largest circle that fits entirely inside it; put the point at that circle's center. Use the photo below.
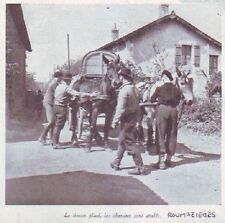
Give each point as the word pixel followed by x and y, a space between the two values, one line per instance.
pixel 163 10
pixel 115 33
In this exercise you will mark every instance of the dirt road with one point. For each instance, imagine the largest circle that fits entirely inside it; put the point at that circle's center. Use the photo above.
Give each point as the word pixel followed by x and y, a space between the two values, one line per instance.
pixel 37 174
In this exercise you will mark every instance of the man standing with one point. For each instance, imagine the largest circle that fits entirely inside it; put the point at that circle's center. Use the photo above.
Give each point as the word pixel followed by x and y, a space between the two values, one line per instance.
pixel 127 111
pixel 168 96
pixel 63 93
pixel 48 104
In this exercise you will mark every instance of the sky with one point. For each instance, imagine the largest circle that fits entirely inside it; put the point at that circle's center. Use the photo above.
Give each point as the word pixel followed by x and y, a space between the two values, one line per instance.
pixel 89 27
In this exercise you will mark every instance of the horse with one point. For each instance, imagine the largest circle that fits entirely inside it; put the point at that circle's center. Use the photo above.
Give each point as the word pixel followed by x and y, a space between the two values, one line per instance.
pixel 148 109
pixel 105 102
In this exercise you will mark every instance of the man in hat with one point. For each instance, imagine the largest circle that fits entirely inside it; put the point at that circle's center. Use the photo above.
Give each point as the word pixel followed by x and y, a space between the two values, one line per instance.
pixel 168 96
pixel 63 93
pixel 48 103
pixel 127 111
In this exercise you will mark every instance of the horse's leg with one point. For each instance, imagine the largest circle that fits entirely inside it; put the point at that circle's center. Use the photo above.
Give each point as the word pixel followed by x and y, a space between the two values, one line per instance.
pixel 140 130
pixel 108 120
pixel 150 127
pixel 97 136
pixel 93 121
pixel 149 132
pixel 180 109
pixel 80 123
pixel 73 124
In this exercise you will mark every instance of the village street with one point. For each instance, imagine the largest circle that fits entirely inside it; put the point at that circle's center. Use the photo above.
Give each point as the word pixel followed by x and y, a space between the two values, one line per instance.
pixel 37 174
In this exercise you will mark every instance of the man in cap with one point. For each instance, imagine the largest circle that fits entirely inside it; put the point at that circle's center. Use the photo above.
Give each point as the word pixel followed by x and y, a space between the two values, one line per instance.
pixel 168 96
pixel 63 93
pixel 48 103
pixel 127 111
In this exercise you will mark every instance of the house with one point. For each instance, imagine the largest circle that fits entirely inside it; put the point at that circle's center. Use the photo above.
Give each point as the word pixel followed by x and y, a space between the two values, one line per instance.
pixel 17 43
pixel 168 42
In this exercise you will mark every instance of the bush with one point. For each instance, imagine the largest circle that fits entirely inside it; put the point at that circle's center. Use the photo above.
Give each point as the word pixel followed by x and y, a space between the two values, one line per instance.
pixel 214 84
pixel 203 116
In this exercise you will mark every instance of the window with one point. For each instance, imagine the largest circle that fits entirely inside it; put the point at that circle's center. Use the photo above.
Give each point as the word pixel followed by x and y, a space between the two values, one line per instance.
pixel 178 55
pixel 186 54
pixel 183 55
pixel 197 56
pixel 213 63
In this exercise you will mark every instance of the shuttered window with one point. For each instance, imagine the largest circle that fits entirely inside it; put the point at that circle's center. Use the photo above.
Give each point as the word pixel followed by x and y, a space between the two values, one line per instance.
pixel 213 63
pixel 178 55
pixel 183 55
pixel 186 54
pixel 197 56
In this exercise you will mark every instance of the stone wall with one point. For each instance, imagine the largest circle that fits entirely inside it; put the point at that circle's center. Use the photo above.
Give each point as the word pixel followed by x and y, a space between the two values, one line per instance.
pixel 15 68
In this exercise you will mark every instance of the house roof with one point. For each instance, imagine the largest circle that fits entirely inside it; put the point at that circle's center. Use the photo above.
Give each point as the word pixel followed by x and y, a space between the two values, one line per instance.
pixel 171 16
pixel 17 15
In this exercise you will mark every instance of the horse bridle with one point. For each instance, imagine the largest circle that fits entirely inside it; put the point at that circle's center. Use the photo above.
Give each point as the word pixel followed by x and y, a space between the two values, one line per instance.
pixel 183 76
pixel 115 68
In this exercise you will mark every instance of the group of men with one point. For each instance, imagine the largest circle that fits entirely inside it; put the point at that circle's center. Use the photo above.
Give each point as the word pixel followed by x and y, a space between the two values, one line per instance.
pixel 168 97
pixel 127 111
pixel 57 97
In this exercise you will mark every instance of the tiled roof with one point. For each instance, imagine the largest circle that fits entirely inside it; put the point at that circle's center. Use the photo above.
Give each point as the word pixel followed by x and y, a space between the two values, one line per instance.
pixel 171 16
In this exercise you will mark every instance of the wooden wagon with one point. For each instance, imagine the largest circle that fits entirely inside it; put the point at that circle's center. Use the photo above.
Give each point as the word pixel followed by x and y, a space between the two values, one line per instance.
pixel 94 68
pixel 93 65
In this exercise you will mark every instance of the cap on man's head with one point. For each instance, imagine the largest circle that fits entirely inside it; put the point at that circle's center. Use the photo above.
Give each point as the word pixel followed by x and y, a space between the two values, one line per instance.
pixel 168 74
pixel 126 72
pixel 58 74
pixel 67 76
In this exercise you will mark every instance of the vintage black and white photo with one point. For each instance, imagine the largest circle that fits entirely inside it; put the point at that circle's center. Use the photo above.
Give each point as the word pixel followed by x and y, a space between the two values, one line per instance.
pixel 114 104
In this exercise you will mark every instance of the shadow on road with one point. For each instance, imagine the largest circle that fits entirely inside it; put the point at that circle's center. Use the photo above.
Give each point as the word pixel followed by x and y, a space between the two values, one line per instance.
pixel 26 130
pixel 79 188
pixel 185 156
pixel 30 131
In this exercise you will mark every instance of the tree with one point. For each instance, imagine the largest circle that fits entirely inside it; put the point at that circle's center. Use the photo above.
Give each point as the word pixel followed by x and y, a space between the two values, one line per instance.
pixel 31 83
pixel 12 69
pixel 136 70
pixel 158 61
pixel 214 84
pixel 75 66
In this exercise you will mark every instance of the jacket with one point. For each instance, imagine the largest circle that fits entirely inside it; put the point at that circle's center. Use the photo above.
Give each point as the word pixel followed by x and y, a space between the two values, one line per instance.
pixel 63 93
pixel 128 101
pixel 167 94
pixel 49 95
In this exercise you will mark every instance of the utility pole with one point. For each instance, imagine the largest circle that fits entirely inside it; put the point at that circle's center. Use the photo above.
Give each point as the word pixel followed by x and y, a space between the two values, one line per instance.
pixel 68 48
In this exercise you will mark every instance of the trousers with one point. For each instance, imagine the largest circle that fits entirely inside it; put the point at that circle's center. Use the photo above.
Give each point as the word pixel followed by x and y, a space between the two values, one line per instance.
pixel 60 114
pixel 50 119
pixel 128 140
pixel 166 127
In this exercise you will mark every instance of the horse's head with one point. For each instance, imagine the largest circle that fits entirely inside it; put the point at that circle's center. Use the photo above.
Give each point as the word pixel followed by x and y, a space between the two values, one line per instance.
pixel 113 66
pixel 185 85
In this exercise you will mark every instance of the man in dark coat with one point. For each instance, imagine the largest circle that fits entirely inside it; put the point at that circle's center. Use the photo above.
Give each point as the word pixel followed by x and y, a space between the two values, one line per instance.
pixel 168 96
pixel 127 112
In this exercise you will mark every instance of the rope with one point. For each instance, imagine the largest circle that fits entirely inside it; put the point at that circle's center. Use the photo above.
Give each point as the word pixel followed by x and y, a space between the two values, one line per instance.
pixel 101 97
